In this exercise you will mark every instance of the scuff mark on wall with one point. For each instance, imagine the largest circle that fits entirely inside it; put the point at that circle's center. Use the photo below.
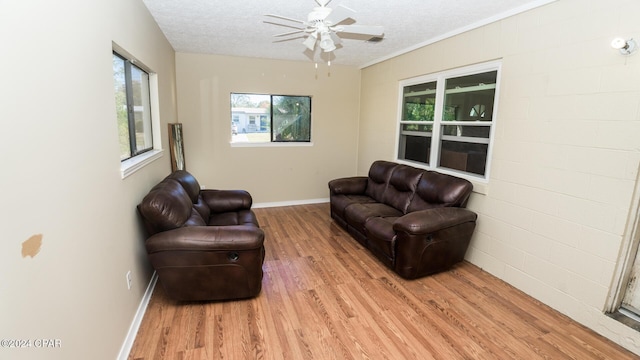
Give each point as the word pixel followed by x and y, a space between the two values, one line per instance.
pixel 31 246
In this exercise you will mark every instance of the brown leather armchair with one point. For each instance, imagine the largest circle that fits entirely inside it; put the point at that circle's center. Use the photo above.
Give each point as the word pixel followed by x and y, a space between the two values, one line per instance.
pixel 411 219
pixel 203 244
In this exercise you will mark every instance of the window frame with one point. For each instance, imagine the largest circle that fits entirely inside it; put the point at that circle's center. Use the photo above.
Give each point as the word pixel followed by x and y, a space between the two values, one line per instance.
pixel 436 134
pixel 272 141
pixel 129 66
pixel 143 158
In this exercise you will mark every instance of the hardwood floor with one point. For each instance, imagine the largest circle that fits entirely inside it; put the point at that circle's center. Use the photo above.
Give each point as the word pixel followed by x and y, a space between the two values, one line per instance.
pixel 325 297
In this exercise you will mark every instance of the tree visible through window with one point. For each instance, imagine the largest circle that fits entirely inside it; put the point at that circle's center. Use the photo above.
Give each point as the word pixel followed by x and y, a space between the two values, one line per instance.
pixel 133 107
pixel 257 118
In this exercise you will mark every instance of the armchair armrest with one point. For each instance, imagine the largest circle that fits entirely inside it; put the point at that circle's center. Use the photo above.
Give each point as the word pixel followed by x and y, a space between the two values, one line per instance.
pixel 348 185
pixel 226 200
pixel 203 238
pixel 424 222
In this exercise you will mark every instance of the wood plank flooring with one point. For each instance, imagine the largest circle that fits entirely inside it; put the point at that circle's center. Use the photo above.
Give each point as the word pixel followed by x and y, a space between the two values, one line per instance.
pixel 325 297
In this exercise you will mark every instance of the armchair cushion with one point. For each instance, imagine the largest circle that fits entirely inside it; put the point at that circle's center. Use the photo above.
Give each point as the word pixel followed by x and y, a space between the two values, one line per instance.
pixel 188 182
pixel 167 206
pixel 240 217
pixel 204 238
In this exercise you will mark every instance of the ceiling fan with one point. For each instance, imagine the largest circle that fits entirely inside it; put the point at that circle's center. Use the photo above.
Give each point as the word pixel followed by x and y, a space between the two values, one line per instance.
pixel 323 24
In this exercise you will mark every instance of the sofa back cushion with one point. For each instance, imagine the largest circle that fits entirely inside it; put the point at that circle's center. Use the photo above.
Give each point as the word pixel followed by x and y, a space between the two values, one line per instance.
pixel 402 186
pixel 168 206
pixel 192 187
pixel 439 190
pixel 379 175
pixel 188 182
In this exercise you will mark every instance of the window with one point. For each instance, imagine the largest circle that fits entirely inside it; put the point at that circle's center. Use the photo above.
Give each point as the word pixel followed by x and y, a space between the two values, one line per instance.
pixel 133 107
pixel 270 118
pixel 447 119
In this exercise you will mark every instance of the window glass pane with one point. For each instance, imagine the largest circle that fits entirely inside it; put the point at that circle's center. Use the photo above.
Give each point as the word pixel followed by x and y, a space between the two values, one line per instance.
pixel 415 142
pixel 141 109
pixel 250 118
pixel 456 131
pixel 419 102
pixel 464 156
pixel 270 118
pixel 291 118
pixel 121 106
pixel 470 98
pixel 465 131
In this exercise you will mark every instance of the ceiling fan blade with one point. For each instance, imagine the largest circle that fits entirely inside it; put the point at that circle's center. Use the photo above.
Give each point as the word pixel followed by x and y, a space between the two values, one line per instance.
pixel 285 18
pixel 310 42
pixel 372 30
pixel 284 25
pixel 289 33
pixel 338 15
pixel 336 39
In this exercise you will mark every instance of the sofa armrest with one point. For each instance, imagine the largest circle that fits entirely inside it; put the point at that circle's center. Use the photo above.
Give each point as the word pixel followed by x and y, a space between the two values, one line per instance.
pixel 424 222
pixel 203 238
pixel 348 185
pixel 226 200
pixel 433 240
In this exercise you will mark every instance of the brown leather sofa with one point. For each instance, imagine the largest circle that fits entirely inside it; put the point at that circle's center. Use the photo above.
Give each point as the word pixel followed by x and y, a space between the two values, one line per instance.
pixel 411 219
pixel 203 244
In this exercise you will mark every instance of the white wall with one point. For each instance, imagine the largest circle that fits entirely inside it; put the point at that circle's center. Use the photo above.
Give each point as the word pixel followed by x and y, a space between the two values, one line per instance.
pixel 566 154
pixel 61 174
pixel 273 175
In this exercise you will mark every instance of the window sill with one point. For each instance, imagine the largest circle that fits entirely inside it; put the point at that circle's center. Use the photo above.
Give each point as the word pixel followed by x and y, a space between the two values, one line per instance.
pixel 271 144
pixel 136 163
pixel 480 188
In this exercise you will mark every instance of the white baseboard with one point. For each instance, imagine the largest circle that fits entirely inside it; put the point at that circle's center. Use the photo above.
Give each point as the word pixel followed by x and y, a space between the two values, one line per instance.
pixel 137 319
pixel 290 203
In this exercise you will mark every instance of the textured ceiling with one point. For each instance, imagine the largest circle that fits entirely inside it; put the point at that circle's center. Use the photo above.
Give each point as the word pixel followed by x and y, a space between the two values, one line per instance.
pixel 239 28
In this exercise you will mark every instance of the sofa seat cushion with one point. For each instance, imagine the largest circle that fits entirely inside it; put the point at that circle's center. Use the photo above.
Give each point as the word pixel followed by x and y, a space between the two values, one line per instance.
pixel 340 202
pixel 358 214
pixel 241 217
pixel 381 236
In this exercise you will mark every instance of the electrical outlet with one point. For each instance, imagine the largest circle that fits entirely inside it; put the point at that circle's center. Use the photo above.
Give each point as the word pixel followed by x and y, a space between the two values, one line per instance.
pixel 129 279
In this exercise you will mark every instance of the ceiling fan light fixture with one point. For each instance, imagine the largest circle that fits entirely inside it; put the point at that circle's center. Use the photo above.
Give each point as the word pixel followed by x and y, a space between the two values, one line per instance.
pixel 310 42
pixel 326 43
